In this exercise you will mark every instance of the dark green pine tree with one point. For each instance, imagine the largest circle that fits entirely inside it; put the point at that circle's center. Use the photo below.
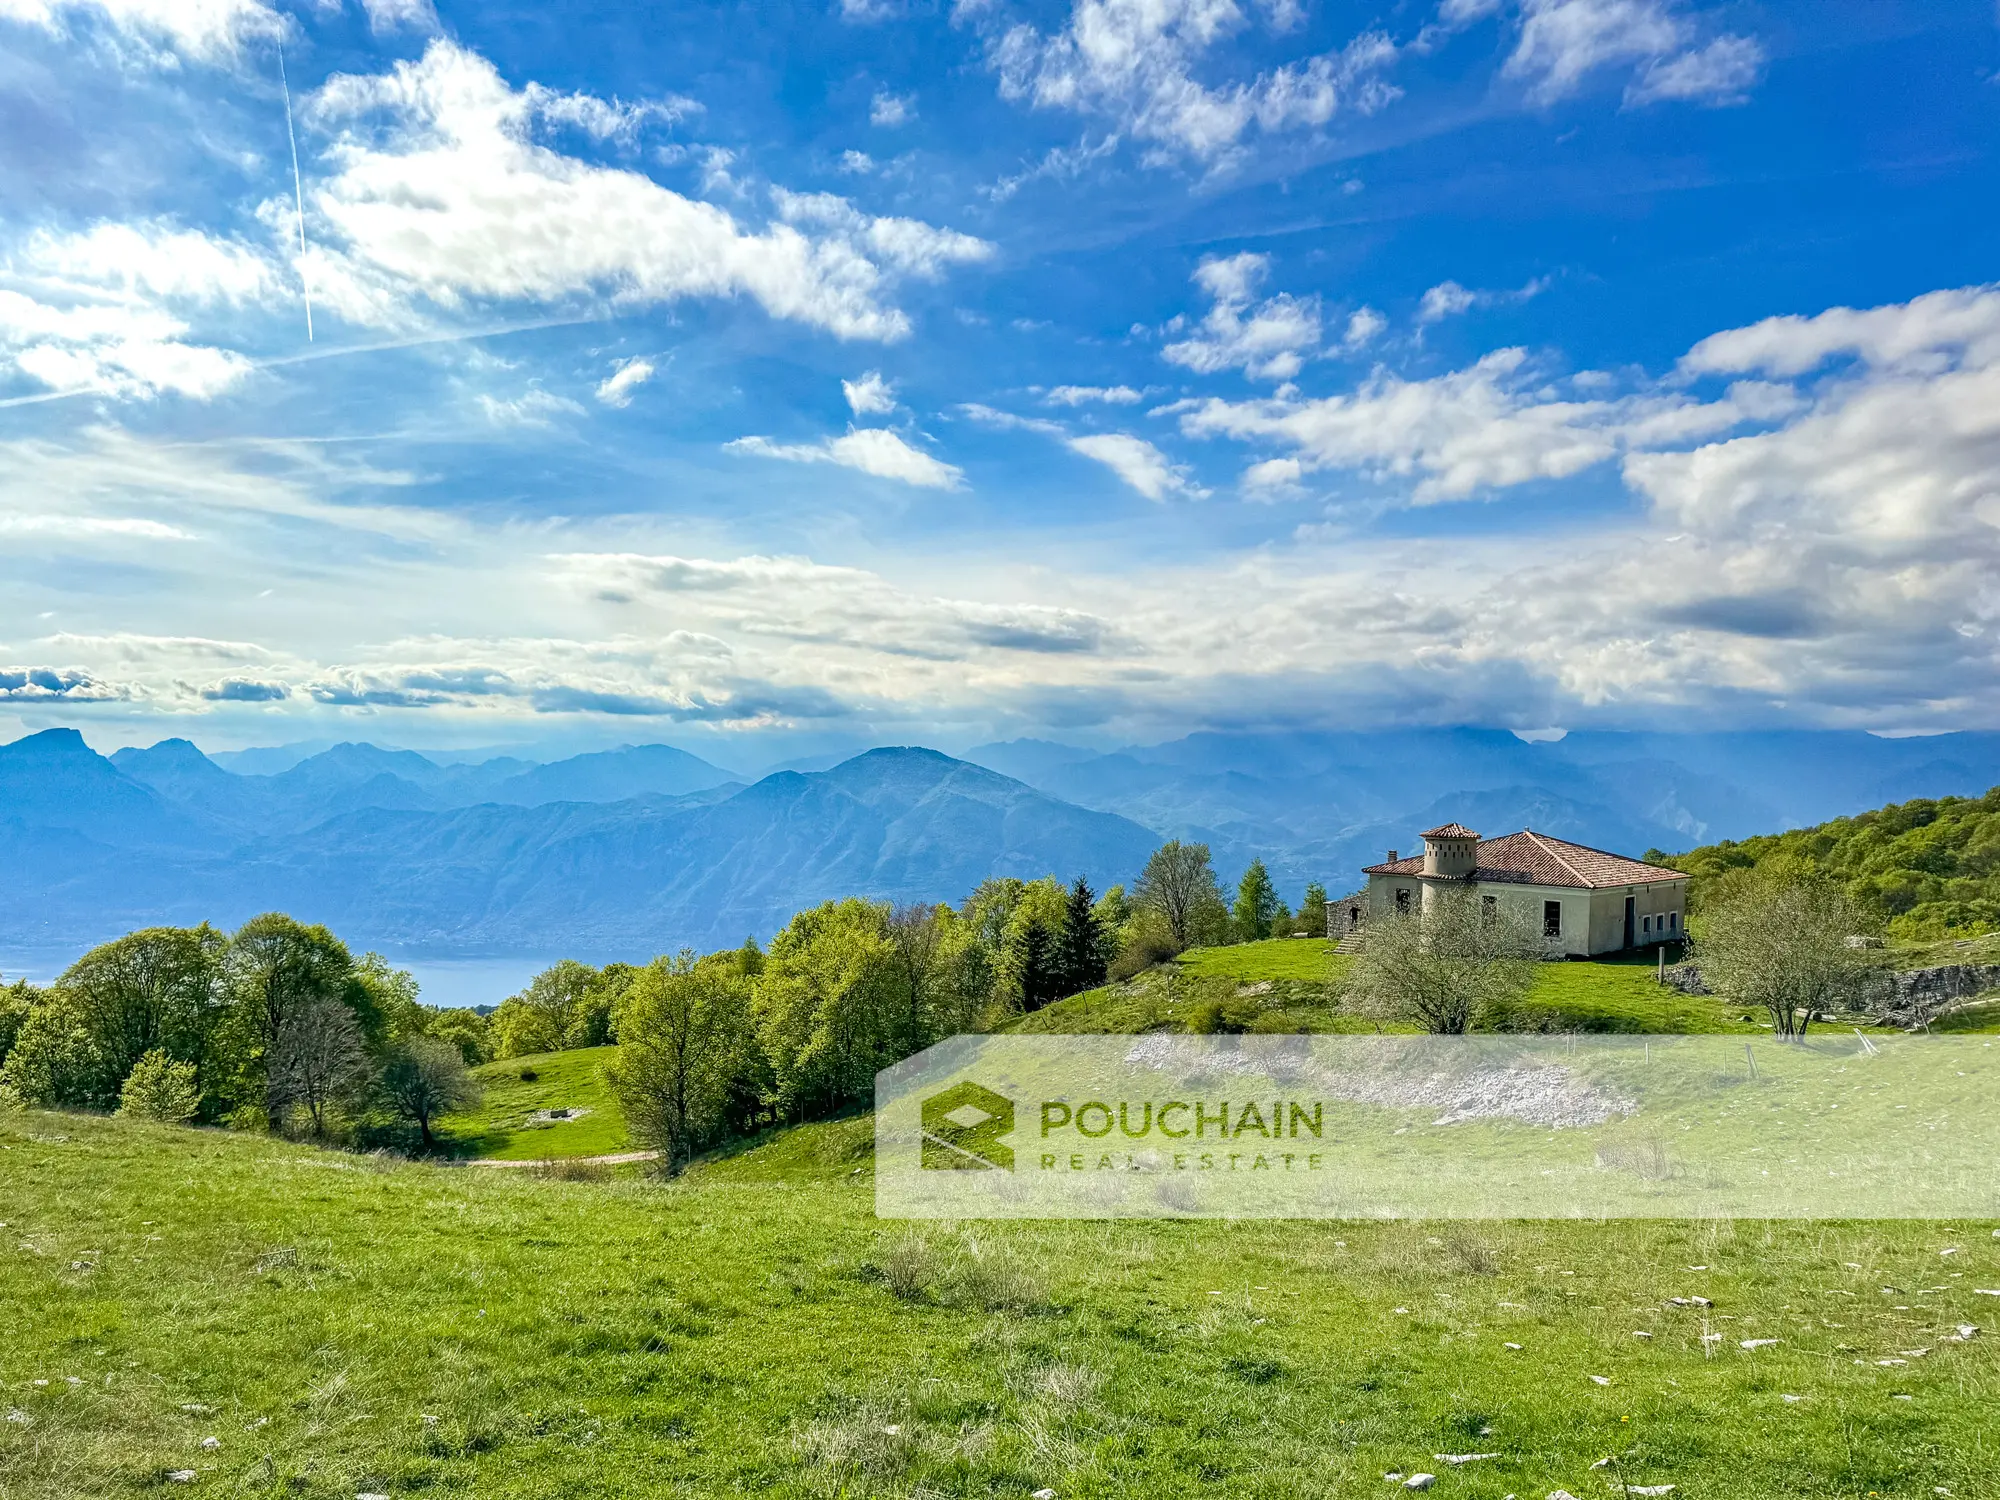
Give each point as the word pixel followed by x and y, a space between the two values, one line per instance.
pixel 1041 980
pixel 1079 957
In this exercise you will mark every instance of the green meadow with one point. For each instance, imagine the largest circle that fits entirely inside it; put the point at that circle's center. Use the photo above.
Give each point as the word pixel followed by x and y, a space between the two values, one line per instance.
pixel 343 1325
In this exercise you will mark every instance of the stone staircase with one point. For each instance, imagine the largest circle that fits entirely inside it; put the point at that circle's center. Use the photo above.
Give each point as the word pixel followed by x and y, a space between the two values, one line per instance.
pixel 1354 942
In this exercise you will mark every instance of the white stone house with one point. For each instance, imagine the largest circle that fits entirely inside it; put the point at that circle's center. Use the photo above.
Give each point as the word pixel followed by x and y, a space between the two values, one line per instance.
pixel 1584 901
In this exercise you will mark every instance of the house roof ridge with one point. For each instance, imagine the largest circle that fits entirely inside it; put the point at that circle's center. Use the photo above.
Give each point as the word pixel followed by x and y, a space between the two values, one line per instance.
pixel 1545 843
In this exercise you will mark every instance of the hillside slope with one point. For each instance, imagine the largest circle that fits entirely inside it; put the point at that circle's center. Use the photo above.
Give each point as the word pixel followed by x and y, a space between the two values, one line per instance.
pixel 1931 867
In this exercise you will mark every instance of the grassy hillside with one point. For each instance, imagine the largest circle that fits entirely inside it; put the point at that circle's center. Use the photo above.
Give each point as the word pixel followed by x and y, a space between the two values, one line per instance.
pixel 504 1128
pixel 1931 869
pixel 343 1326
pixel 1287 984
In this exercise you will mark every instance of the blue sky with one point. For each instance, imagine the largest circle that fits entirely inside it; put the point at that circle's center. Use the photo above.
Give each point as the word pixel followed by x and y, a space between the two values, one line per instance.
pixel 776 378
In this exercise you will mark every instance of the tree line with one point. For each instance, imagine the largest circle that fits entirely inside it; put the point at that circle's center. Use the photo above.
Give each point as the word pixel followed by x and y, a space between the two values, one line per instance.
pixel 278 1026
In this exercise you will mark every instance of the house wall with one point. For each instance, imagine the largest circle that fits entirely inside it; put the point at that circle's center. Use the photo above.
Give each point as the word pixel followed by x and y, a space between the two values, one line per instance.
pixel 1657 901
pixel 1593 922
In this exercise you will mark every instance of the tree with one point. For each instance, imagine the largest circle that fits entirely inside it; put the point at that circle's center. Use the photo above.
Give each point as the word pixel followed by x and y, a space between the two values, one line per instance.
pixel 275 968
pixel 54 1062
pixel 1312 911
pixel 1080 958
pixel 424 1078
pixel 16 1001
pixel 1446 963
pixel 1256 906
pixel 392 995
pixel 158 1088
pixel 160 989
pixel 942 977
pixel 828 1007
pixel 1776 938
pixel 1030 972
pixel 1178 886
pixel 568 1004
pixel 465 1030
pixel 317 1060
pixel 684 1043
pixel 1037 978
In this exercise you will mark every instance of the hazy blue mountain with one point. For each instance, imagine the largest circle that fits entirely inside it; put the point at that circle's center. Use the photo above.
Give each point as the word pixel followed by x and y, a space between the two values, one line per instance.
pixel 53 780
pixel 613 776
pixel 632 877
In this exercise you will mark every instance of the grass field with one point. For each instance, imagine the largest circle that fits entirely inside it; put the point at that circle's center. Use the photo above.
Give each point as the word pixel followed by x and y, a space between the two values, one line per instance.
pixel 500 1127
pixel 1297 979
pixel 344 1326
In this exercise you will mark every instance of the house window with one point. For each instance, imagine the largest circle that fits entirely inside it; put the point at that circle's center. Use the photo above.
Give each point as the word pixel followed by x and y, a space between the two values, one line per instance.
pixel 1402 901
pixel 1674 921
pixel 1646 925
pixel 1552 919
pixel 1489 907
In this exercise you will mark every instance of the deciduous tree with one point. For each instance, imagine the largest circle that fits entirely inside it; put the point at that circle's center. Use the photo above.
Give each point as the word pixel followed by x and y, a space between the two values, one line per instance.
pixel 684 1042
pixel 424 1078
pixel 1776 939
pixel 1178 886
pixel 1445 963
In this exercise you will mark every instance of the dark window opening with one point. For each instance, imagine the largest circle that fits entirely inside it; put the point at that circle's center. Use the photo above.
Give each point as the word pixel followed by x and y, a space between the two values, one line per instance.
pixel 1402 901
pixel 1552 919
pixel 1489 907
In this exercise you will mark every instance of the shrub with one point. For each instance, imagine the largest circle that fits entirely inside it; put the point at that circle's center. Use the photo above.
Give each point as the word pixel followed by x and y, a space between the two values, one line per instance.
pixel 1145 945
pixel 158 1088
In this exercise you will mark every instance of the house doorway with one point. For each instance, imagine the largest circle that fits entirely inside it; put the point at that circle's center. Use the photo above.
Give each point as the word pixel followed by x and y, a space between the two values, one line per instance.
pixel 1631 918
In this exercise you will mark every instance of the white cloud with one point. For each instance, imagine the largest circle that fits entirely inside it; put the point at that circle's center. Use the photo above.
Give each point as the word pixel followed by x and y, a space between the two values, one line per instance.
pixel 153 259
pixel 871 395
pixel 856 163
pixel 1079 395
pixel 1562 42
pixel 1934 331
pixel 386 16
pixel 890 110
pixel 1060 164
pixel 1493 425
pixel 1137 462
pixel 1363 328
pixel 440 192
pixel 1448 299
pixel 117 349
pixel 872 450
pixel 532 408
pixel 909 245
pixel 1720 73
pixel 617 387
pixel 1135 60
pixel 137 527
pixel 205 30
pixel 1267 342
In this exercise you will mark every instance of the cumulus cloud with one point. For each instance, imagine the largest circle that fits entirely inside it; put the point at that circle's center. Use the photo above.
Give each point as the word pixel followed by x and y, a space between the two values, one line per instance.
pixel 55 685
pixel 388 16
pixel 1563 42
pixel 871 395
pixel 617 387
pixel 1364 326
pixel 1448 299
pixel 872 450
pixel 1136 63
pixel 116 348
pixel 202 30
pixel 890 110
pixel 441 192
pixel 856 163
pixel 1079 395
pixel 1490 426
pixel 1137 462
pixel 1267 341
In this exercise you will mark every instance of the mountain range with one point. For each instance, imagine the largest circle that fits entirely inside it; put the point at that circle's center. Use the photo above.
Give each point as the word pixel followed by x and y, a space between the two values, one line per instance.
pixel 640 850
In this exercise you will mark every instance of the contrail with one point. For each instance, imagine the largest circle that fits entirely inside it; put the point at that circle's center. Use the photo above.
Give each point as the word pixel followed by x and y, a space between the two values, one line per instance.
pixel 298 191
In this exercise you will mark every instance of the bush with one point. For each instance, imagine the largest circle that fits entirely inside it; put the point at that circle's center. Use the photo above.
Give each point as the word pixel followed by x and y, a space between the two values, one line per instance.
pixel 1223 1015
pixel 529 1075
pixel 158 1088
pixel 1142 949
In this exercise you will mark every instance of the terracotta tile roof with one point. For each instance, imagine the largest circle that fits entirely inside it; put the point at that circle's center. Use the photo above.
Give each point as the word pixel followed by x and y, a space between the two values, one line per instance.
pixel 1529 858
pixel 1449 831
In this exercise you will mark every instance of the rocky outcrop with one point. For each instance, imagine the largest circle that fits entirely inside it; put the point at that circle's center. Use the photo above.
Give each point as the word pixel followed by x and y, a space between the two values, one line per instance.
pixel 1895 997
